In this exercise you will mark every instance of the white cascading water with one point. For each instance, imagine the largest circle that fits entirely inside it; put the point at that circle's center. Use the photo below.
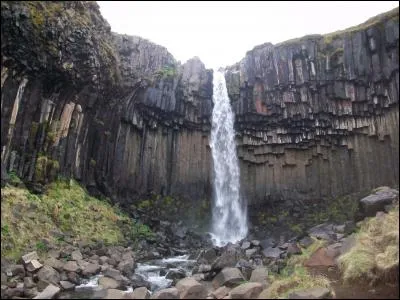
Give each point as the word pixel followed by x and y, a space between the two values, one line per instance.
pixel 229 211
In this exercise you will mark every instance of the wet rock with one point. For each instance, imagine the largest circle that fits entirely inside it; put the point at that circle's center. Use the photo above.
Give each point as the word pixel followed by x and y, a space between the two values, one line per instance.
pixel 375 202
pixel 108 283
pixel 138 281
pixel 207 256
pixel 49 292
pixel 251 252
pixel 175 274
pixel 114 294
pixel 66 285
pixel 314 293
pixel 245 245
pixel 255 243
pixel 91 269
pixel 171 293
pixel 191 289
pixel 73 277
pixel 126 267
pixel 229 277
pixel 249 290
pixel 268 243
pixel 140 293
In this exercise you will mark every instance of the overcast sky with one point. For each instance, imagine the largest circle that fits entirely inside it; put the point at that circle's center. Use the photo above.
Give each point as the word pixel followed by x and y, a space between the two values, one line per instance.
pixel 220 33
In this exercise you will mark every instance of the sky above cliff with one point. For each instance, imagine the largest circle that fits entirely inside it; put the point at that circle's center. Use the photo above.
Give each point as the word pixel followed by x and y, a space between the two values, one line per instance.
pixel 220 33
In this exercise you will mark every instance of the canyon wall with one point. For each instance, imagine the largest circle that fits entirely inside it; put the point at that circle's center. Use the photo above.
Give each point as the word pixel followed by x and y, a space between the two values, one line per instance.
pixel 115 112
pixel 318 117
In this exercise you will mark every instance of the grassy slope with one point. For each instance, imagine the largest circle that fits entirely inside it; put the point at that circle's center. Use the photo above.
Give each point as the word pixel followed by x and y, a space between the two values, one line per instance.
pixel 26 219
pixel 375 255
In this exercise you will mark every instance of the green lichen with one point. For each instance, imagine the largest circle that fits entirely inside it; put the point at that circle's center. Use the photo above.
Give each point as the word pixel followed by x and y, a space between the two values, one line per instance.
pixel 46 169
pixel 167 72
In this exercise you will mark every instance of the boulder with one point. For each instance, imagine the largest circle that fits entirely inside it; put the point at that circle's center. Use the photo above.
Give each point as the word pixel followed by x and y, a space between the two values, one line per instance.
pixel 377 201
pixel 260 275
pixel 31 292
pixel 91 269
pixel 306 242
pixel 249 290
pixel 15 270
pixel 229 277
pixel 114 294
pixel 191 289
pixel 320 258
pixel 313 293
pixel 273 253
pixel 140 293
pixel 55 263
pixel 267 243
pixel 108 283
pixel 48 274
pixel 67 285
pixel 33 265
pixel 71 266
pixel 250 252
pixel 28 283
pixel 49 292
pixel 29 256
pixel 245 245
pixel 175 274
pixel 171 293
pixel 323 231
pixel 220 292
pixel 126 267
pixel 76 255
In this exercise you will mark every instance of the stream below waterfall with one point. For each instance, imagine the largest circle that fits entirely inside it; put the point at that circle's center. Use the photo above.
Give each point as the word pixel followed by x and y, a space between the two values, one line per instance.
pixel 153 271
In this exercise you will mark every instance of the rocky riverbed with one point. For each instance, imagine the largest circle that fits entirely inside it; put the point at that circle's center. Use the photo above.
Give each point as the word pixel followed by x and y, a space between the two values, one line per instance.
pixel 247 269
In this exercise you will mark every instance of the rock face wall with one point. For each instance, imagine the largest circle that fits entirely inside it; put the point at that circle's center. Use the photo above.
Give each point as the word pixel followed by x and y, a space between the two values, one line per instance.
pixel 116 112
pixel 318 117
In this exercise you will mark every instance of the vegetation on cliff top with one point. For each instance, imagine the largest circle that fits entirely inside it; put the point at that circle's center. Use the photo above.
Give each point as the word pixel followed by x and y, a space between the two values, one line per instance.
pixel 65 211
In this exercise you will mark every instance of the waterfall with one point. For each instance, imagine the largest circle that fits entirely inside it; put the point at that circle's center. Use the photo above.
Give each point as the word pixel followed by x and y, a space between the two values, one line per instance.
pixel 229 215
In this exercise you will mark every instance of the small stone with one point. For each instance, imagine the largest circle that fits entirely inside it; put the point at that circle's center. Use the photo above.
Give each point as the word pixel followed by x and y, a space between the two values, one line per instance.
pixel 33 265
pixel 76 255
pixel 71 266
pixel 29 256
pixel 49 292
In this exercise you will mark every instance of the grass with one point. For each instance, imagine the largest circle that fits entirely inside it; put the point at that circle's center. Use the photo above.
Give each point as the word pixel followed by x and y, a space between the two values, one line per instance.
pixel 300 279
pixel 28 219
pixel 375 255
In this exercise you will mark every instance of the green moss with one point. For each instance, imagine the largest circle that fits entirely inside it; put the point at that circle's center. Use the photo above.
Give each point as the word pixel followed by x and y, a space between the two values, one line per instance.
pixel 145 204
pixel 167 72
pixel 46 169
pixel 92 163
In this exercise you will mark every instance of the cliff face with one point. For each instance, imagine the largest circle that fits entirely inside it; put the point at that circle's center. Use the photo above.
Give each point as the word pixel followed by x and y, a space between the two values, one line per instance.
pixel 318 116
pixel 116 112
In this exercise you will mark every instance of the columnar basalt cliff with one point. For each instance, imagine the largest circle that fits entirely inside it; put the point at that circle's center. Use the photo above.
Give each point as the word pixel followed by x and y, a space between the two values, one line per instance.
pixel 318 117
pixel 116 112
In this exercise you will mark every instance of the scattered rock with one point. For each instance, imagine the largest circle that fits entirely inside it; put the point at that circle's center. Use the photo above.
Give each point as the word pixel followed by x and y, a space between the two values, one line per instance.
pixel 53 253
pixel 260 275
pixel 191 289
pixel 273 253
pixel 91 269
pixel 250 252
pixel 255 243
pixel 323 232
pixel 314 293
pixel 114 294
pixel 29 256
pixel 175 274
pixel 67 285
pixel 71 266
pixel 55 263
pixel 76 255
pixel 220 292
pixel 31 292
pixel 140 293
pixel 320 258
pixel 306 242
pixel 293 249
pixel 103 259
pixel 377 201
pixel 108 283
pixel 249 290
pixel 33 265
pixel 229 277
pixel 245 245
pixel 126 267
pixel 49 292
pixel 268 243
pixel 28 283
pixel 48 274
pixel 16 270
pixel 171 293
